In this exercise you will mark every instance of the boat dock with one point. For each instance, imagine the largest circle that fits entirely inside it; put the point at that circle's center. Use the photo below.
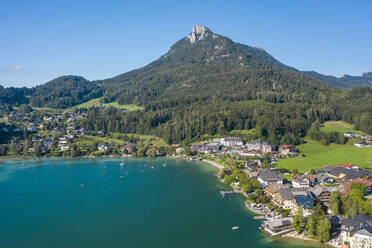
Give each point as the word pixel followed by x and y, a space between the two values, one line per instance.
pixel 223 193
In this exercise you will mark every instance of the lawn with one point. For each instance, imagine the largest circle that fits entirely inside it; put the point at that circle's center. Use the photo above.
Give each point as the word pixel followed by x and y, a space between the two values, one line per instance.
pixel 338 126
pixel 317 155
pixel 96 139
pixel 146 138
pixel 88 139
pixel 96 102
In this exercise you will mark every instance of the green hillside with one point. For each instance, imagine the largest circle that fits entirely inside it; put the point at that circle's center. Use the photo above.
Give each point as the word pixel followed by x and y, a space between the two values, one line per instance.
pixel 317 155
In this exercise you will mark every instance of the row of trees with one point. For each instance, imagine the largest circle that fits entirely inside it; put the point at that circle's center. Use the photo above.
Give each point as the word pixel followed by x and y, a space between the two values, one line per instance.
pixel 351 204
pixel 317 225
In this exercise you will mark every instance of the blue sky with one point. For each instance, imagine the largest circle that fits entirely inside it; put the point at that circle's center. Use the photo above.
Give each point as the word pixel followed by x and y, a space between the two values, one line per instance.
pixel 41 40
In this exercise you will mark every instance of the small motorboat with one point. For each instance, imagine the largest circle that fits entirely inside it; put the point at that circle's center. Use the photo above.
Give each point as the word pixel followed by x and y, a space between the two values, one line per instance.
pixel 152 167
pixel 121 177
pixel 82 185
pixel 235 228
pixel 164 165
pixel 122 164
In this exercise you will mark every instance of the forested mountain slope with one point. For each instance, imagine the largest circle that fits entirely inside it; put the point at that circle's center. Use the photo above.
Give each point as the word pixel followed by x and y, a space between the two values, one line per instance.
pixel 345 81
pixel 205 64
pixel 64 92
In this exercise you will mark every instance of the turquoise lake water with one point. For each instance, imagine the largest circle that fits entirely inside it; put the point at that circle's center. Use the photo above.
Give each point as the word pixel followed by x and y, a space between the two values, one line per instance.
pixel 143 204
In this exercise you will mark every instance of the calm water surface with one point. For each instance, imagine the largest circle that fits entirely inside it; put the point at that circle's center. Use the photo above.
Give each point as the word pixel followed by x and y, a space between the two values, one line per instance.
pixel 143 204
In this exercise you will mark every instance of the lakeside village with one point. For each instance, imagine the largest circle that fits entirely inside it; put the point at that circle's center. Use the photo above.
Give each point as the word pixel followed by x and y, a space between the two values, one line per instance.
pixel 332 205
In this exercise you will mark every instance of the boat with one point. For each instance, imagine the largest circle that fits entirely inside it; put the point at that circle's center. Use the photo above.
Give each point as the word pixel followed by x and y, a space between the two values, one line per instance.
pixel 164 165
pixel 122 164
pixel 121 177
pixel 82 185
pixel 235 228
pixel 259 217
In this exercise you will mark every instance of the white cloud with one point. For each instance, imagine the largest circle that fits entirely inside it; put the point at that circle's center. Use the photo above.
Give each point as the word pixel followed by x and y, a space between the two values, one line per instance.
pixel 17 68
pixel 11 68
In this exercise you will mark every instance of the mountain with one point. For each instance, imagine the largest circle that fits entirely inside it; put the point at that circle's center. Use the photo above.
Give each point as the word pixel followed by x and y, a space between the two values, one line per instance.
pixel 64 92
pixel 205 64
pixel 345 81
pixel 207 85
pixel 14 96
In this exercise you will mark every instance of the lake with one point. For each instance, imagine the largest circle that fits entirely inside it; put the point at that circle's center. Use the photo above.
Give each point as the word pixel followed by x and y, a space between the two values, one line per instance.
pixel 146 203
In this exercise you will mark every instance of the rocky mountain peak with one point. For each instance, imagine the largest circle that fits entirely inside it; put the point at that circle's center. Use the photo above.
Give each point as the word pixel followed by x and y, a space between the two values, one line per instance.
pixel 199 32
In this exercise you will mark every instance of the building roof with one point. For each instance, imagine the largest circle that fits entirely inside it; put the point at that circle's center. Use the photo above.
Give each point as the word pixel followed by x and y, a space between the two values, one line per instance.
pixel 286 194
pixel 278 222
pixel 286 146
pixel 270 175
pixel 234 139
pixel 305 201
pixel 271 188
pixel 304 178
pixel 317 190
pixel 360 223
pixel 349 173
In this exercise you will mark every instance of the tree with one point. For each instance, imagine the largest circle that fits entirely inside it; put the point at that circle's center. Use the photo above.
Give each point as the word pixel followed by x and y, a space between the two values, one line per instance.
pixel 298 221
pixel 151 153
pixel 323 229
pixel 359 186
pixel 335 202
pixel 295 171
pixel 311 226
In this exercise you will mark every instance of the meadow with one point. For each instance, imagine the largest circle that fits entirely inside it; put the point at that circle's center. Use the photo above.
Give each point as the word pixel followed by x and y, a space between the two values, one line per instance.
pixel 316 155
pixel 97 102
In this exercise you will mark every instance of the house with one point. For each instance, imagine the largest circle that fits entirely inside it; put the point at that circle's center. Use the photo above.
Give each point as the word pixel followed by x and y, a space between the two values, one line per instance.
pixel 214 147
pixel 102 147
pixel 268 176
pixel 287 149
pixel 345 173
pixel 65 147
pixel 127 146
pixel 277 225
pixel 350 134
pixel 271 189
pixel 323 178
pixel 320 194
pixel 361 144
pixel 179 150
pixel 251 153
pixel 283 198
pixel 232 141
pixel 251 165
pixel 305 201
pixel 263 146
pixel 356 232
pixel 303 181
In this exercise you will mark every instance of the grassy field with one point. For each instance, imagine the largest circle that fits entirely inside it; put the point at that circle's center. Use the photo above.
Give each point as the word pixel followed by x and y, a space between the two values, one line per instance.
pixel 96 102
pixel 96 139
pixel 338 126
pixel 317 155
pixel 146 138
pixel 117 141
